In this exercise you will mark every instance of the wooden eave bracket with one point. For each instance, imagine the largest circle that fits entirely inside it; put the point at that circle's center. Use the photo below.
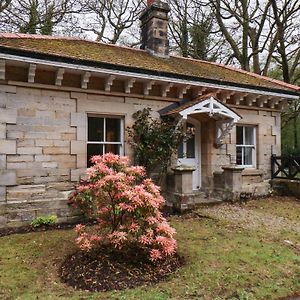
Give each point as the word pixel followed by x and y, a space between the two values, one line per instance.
pixel 148 87
pixel 166 89
pixel 59 76
pixel 109 82
pixel 31 73
pixel 129 84
pixel 182 91
pixel 85 80
pixel 2 69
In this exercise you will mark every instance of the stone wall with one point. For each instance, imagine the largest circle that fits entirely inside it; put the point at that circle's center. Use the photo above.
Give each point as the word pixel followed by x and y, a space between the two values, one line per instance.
pixel 43 147
pixel 268 141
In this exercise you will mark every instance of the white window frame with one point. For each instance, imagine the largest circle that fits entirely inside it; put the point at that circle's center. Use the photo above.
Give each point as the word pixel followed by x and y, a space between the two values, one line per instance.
pixel 104 142
pixel 243 146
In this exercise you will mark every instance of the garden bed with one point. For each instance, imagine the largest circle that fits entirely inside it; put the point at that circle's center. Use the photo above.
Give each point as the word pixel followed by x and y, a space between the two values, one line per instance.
pixel 106 269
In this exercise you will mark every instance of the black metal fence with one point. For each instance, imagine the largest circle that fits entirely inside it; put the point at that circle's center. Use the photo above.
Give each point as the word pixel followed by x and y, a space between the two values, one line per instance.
pixel 285 167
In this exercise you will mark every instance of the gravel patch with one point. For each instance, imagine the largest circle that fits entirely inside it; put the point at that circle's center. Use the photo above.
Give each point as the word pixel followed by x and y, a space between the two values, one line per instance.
pixel 248 218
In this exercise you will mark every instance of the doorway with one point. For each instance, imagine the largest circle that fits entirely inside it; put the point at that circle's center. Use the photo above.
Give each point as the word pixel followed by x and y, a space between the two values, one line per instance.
pixel 188 153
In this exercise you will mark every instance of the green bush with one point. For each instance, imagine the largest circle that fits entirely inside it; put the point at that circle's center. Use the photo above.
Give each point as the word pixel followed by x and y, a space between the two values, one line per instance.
pixel 44 221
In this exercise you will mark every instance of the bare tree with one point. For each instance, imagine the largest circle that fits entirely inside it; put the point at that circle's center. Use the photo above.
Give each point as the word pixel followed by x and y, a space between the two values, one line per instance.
pixel 37 16
pixel 4 4
pixel 109 20
pixel 286 15
pixel 192 30
pixel 260 33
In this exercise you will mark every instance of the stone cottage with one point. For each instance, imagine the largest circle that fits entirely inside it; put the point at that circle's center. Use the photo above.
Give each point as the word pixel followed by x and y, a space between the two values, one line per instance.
pixel 63 100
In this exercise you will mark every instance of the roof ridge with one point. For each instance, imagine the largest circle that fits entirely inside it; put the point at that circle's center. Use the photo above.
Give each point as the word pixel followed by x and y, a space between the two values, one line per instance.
pixel 282 83
pixel 60 37
pixel 37 36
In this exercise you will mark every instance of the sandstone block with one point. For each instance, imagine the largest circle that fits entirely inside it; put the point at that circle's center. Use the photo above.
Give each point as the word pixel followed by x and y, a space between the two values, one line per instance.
pixel 30 150
pixel 28 91
pixel 53 93
pixel 24 192
pixel 76 174
pixel 59 143
pixel 41 158
pixel 62 115
pixel 56 150
pixel 45 114
pixel 44 143
pixel 15 134
pixel 31 173
pixel 2 162
pixel 68 136
pixel 81 161
pixel 8 116
pixel 68 164
pixel 19 158
pixel 49 179
pixel 50 165
pixel 8 147
pixel 25 143
pixel 78 119
pixel 8 178
pixel 81 133
pixel 26 112
pixel 105 107
pixel 2 131
pixel 78 147
pixel 76 95
pixel 8 88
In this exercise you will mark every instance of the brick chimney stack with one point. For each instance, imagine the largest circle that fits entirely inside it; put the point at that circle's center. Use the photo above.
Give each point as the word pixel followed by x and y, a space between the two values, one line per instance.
pixel 154 25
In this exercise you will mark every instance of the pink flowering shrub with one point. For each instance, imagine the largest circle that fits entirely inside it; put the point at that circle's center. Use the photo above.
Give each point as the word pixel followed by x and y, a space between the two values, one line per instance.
pixel 126 206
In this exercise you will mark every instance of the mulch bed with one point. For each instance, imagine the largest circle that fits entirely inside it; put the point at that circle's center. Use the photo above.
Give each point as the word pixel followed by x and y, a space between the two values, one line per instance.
pixel 106 269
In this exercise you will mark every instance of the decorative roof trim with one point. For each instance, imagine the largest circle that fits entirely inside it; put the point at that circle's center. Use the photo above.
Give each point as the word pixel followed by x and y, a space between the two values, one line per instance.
pixel 212 107
pixel 103 68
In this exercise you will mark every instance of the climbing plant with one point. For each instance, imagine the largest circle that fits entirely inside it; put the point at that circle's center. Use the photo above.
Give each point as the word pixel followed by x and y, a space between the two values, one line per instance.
pixel 154 141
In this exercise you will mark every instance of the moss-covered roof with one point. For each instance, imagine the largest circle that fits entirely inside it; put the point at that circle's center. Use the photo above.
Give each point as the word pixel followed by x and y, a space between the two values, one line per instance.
pixel 84 50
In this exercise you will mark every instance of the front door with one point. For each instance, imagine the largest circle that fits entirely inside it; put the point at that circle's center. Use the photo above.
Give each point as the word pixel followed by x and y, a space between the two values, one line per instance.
pixel 189 151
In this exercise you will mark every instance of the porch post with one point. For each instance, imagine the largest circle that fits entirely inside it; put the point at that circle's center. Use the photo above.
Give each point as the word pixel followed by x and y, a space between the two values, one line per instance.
pixel 183 187
pixel 232 181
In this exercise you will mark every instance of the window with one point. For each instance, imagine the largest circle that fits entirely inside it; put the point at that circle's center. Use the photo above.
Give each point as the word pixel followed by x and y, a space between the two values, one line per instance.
pixel 246 146
pixel 187 148
pixel 105 134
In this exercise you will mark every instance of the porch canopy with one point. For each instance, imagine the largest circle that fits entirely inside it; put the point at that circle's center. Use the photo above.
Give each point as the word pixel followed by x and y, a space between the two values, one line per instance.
pixel 208 104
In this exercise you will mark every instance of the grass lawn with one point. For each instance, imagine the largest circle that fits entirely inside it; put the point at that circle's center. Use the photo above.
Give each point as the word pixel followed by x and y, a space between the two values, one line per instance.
pixel 232 252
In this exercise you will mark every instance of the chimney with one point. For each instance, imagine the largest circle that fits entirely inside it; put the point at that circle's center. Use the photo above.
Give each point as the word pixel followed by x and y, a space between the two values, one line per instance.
pixel 154 25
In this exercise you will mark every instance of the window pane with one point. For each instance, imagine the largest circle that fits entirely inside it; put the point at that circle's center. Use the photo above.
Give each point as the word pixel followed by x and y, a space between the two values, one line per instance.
pixel 239 135
pixel 115 149
pixel 113 130
pixel 190 143
pixel 180 151
pixel 239 155
pixel 95 129
pixel 93 149
pixel 190 147
pixel 249 136
pixel 248 154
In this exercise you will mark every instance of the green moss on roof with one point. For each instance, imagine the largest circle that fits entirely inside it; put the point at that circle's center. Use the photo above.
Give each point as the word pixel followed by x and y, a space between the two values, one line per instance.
pixel 122 56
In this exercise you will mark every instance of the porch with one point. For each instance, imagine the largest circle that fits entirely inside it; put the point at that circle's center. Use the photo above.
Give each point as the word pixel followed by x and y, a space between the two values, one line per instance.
pixel 219 162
